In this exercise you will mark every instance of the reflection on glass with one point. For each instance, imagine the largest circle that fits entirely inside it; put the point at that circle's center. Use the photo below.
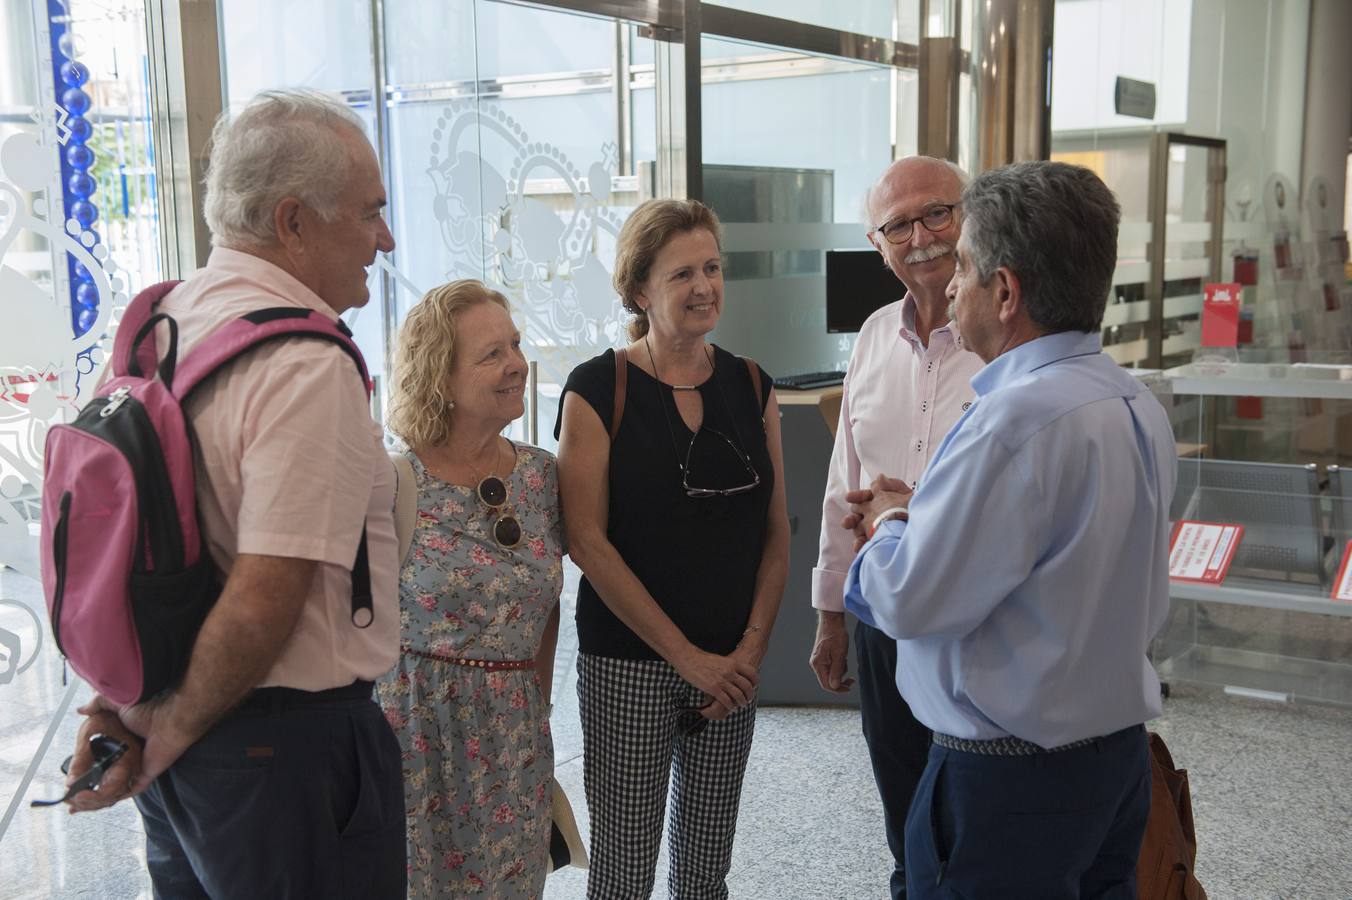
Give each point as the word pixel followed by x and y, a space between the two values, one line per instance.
pixel 514 169
pixel 789 187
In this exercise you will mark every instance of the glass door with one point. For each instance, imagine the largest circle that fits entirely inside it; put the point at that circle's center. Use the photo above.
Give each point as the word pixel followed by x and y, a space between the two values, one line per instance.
pixel 513 159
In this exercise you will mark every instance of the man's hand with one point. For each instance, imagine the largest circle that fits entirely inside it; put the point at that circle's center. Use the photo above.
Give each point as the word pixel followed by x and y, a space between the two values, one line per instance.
pixel 866 505
pixel 152 721
pixel 830 652
pixel 117 781
pixel 854 521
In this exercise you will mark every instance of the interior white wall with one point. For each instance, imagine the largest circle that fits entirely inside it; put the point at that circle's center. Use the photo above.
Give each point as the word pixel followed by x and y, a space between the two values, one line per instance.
pixel 1097 40
pixel 1247 85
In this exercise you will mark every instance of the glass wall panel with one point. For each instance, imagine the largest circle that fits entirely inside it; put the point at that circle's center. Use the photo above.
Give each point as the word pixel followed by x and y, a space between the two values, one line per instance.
pixel 260 51
pixel 263 48
pixel 503 154
pixel 1221 165
pixel 876 18
pixel 79 235
pixel 791 144
pixel 515 177
pixel 1233 71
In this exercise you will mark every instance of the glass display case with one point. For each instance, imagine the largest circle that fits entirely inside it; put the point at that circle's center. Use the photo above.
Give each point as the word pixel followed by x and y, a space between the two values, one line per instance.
pixel 1262 446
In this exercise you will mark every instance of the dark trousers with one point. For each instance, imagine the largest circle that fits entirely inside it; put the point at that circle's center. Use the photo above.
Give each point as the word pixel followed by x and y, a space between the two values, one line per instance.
pixel 1053 826
pixel 898 745
pixel 294 794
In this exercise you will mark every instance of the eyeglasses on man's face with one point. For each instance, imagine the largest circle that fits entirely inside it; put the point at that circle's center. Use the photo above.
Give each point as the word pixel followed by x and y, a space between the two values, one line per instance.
pixel 934 219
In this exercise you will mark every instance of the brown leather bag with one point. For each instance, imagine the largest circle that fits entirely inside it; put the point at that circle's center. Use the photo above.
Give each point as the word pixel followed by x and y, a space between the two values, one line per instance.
pixel 1164 870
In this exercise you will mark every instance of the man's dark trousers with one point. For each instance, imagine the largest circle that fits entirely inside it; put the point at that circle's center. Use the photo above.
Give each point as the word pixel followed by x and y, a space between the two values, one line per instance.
pixel 1063 825
pixel 292 795
pixel 898 745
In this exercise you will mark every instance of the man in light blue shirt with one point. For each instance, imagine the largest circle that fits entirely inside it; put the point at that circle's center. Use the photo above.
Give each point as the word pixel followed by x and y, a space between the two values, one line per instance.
pixel 1026 576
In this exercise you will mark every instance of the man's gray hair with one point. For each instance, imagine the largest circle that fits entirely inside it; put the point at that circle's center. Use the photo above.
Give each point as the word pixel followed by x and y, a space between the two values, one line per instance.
pixel 1054 226
pixel 284 143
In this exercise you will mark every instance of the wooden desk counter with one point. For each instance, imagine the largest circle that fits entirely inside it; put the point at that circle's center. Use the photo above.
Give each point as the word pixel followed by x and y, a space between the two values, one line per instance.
pixel 826 399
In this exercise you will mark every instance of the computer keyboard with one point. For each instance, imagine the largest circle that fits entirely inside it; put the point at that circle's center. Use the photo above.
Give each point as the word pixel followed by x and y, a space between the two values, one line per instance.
pixel 809 381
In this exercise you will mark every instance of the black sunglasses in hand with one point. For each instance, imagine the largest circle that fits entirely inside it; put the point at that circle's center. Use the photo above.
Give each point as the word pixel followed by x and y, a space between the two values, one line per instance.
pixel 107 751
pixel 690 720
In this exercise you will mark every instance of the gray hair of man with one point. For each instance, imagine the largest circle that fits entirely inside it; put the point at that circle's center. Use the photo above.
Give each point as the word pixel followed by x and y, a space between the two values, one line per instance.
pixel 1054 226
pixel 958 172
pixel 284 143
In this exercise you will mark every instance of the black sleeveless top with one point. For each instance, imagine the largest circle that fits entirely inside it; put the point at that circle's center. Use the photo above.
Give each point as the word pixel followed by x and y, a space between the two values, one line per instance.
pixel 697 556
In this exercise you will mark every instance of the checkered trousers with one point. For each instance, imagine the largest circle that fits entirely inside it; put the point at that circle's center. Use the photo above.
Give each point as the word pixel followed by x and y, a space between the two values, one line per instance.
pixel 631 747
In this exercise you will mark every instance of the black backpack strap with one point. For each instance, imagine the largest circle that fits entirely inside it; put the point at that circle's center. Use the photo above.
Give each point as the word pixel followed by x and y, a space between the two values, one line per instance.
pixel 361 586
pixel 239 336
pixel 128 347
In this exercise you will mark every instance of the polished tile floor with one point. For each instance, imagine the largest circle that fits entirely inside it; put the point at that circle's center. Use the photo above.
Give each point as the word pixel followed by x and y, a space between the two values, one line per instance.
pixel 1272 794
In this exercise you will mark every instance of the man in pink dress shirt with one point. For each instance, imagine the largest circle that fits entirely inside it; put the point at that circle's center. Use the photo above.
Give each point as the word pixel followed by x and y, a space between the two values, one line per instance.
pixel 908 383
pixel 269 771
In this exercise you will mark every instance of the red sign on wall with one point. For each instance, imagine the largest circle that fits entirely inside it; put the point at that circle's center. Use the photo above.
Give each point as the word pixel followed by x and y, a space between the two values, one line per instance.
pixel 1220 315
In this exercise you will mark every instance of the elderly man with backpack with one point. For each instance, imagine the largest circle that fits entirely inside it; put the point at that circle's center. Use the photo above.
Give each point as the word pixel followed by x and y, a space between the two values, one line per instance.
pixel 242 598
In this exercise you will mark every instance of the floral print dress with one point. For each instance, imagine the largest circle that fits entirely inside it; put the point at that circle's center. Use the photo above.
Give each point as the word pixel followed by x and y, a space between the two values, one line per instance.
pixel 477 752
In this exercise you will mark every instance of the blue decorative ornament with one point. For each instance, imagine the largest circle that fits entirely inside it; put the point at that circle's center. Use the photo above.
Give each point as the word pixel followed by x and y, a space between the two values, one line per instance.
pixel 84 212
pixel 81 184
pixel 80 130
pixel 76 101
pixel 85 319
pixel 68 76
pixel 74 73
pixel 87 295
pixel 79 156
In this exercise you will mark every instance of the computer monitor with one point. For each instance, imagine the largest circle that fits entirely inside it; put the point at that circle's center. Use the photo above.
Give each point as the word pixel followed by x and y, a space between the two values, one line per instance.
pixel 858 282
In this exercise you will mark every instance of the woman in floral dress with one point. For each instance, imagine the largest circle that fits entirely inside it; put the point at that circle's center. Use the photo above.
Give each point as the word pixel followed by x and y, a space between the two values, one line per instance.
pixel 479 590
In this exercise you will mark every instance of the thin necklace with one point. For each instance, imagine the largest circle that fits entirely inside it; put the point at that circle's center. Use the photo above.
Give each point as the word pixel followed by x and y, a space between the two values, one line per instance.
pixel 661 398
pixel 442 465
pixel 675 387
pixel 491 462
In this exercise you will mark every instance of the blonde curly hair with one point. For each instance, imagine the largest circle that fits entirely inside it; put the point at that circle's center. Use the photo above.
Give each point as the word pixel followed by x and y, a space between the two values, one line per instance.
pixel 420 405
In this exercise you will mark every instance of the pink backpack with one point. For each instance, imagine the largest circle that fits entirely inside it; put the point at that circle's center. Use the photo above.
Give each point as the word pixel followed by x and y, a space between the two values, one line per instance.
pixel 127 578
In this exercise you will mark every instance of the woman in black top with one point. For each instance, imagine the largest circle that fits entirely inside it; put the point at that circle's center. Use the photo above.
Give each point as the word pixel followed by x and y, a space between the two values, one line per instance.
pixel 679 526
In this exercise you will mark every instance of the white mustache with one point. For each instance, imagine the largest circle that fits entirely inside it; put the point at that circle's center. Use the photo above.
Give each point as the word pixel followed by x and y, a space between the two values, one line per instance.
pixel 925 254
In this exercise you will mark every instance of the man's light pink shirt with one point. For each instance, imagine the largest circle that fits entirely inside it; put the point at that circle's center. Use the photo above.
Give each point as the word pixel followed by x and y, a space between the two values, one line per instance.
pixel 289 463
pixel 900 399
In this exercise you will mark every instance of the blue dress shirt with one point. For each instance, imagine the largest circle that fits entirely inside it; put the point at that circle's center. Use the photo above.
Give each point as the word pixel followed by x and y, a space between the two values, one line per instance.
pixel 1033 573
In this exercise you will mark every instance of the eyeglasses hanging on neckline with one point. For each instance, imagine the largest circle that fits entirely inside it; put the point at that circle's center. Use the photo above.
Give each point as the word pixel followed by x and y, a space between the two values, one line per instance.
pixel 506 530
pixel 698 492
